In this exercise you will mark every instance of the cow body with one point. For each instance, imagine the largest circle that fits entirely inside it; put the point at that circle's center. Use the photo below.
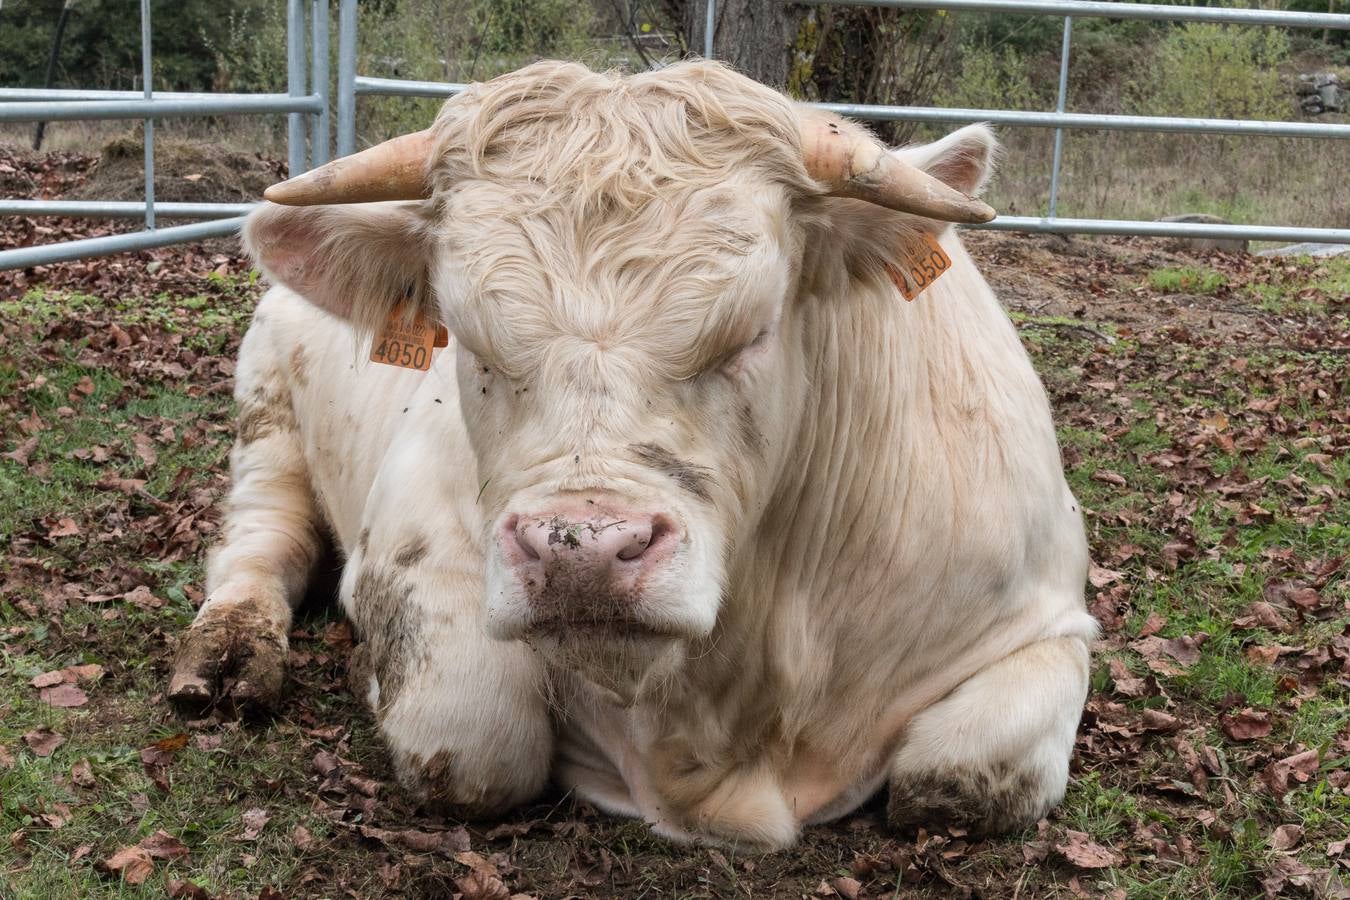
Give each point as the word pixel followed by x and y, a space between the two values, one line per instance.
pixel 897 598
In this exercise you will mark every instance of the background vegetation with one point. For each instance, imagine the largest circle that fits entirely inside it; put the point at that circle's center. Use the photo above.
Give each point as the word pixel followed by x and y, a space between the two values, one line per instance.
pixel 835 53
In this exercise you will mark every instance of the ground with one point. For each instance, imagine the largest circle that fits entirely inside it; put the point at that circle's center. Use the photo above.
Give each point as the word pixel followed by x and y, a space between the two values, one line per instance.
pixel 1203 406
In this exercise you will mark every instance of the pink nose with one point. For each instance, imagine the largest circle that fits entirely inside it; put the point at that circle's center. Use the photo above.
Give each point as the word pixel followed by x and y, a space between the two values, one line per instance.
pixel 597 542
pixel 584 562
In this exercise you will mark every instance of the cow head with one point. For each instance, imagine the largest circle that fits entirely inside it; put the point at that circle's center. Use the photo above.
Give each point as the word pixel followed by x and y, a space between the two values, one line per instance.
pixel 628 265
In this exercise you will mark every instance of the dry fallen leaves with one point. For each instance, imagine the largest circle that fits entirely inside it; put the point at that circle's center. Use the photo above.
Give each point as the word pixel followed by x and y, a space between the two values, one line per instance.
pixel 1246 724
pixel 133 864
pixel 43 741
pixel 255 819
pixel 1085 853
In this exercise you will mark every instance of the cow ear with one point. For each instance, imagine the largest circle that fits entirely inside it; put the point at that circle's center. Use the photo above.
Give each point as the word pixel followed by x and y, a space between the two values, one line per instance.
pixel 356 261
pixel 963 159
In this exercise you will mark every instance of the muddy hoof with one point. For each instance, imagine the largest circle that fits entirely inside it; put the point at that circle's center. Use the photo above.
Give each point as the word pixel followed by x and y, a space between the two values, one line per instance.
pixel 235 660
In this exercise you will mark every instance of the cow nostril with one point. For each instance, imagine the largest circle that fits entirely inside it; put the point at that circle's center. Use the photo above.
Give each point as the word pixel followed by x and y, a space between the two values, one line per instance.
pixel 644 539
pixel 512 525
pixel 635 548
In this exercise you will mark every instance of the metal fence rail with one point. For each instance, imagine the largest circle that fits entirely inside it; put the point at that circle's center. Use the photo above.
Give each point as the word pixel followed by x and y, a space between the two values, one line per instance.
pixel 306 105
pixel 306 100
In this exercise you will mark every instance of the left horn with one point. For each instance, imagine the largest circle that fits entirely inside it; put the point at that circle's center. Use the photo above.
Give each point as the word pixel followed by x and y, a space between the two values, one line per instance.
pixel 394 170
pixel 843 156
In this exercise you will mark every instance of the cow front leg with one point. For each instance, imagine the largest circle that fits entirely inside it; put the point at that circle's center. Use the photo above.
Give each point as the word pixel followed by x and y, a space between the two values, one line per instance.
pixel 993 755
pixel 465 717
pixel 235 650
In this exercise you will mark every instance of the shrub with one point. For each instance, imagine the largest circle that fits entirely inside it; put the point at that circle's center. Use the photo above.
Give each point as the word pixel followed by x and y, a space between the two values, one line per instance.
pixel 1218 71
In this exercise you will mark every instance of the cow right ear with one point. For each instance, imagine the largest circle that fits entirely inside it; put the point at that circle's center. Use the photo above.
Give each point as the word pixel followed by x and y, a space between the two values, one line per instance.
pixel 355 261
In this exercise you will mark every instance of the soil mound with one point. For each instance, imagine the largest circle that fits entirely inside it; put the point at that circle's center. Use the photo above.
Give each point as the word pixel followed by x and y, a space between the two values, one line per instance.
pixel 185 171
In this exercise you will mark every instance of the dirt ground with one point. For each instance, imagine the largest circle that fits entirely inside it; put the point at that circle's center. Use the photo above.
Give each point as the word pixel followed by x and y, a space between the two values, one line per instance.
pixel 1203 408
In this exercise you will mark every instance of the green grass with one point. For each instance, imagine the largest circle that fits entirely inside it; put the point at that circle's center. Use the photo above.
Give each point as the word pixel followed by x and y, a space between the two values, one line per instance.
pixel 1186 280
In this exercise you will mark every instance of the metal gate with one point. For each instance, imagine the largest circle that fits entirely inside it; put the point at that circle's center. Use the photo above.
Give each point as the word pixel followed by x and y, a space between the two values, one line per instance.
pixel 308 106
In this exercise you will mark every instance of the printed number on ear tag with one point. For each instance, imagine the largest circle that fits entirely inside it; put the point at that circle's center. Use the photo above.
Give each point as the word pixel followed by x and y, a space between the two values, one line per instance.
pixel 408 344
pixel 921 262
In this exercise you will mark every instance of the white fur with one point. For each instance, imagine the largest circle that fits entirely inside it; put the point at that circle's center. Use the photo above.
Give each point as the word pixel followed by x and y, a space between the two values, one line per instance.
pixel 859 594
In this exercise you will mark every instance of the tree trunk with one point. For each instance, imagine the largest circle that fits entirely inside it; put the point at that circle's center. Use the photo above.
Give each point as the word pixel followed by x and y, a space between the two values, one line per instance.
pixel 840 54
pixel 754 36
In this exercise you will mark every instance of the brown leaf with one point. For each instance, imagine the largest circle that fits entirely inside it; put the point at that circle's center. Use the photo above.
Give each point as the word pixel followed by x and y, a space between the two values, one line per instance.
pixel 21 453
pixel 301 839
pixel 82 773
pixel 1185 650
pixel 6 758
pixel 47 679
pixel 1100 577
pixel 64 696
pixel 43 741
pixel 179 888
pixel 846 887
pixel 1261 614
pixel 1152 625
pixel 1157 720
pixel 1106 476
pixel 132 863
pixel 171 744
pixel 1298 768
pixel 1246 725
pixel 1126 684
pixel 143 598
pixel 63 528
pixel 1083 852
pixel 162 845
pixel 477 886
pixel 1286 837
pixel 145 448
pixel 255 819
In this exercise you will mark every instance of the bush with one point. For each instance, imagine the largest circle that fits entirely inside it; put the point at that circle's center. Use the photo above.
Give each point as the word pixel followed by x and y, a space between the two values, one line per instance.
pixel 1217 71
pixel 990 77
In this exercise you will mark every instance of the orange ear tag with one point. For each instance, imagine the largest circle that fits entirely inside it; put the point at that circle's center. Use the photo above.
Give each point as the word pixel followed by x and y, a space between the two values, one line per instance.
pixel 408 345
pixel 923 261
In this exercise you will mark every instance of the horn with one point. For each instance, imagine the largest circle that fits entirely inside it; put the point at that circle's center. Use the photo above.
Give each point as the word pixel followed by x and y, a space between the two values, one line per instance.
pixel 843 156
pixel 394 170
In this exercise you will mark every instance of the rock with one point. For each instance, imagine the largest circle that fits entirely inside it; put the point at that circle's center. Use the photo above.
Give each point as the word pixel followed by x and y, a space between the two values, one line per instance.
pixel 1204 244
pixel 1308 249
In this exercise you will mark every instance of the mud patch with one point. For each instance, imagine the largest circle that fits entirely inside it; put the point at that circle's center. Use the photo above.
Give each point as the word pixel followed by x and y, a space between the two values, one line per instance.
pixel 390 630
pixel 262 413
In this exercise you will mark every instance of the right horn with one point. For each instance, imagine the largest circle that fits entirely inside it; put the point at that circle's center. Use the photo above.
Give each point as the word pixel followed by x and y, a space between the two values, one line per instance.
pixel 394 170
pixel 853 164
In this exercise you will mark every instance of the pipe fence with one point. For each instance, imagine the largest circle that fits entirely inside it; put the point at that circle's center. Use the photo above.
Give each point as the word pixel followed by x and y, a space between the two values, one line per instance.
pixel 306 105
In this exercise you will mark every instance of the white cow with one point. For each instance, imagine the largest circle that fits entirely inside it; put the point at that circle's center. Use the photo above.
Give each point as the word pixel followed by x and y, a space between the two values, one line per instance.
pixel 695 515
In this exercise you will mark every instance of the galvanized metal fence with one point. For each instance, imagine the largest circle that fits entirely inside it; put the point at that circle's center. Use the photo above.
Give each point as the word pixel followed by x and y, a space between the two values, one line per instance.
pixel 309 104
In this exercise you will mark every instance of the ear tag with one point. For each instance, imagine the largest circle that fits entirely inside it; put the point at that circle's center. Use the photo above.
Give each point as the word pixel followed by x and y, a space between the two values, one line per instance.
pixel 921 262
pixel 408 345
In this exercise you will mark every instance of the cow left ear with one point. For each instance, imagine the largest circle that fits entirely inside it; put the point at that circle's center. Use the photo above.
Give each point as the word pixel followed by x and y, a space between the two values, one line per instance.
pixel 963 159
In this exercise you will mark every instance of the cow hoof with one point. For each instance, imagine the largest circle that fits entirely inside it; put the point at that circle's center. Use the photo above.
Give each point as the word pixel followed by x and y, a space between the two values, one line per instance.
pixel 985 804
pixel 235 659
pixel 443 785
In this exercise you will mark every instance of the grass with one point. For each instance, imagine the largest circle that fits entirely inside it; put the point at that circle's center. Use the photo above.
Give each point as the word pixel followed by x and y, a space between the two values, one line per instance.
pixel 1173 418
pixel 1186 280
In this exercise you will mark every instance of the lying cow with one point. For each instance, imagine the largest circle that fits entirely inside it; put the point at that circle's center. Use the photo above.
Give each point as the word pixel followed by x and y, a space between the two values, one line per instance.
pixel 695 515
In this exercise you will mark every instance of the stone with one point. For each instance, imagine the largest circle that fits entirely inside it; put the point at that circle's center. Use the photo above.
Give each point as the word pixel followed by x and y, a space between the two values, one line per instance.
pixel 1308 249
pixel 1205 244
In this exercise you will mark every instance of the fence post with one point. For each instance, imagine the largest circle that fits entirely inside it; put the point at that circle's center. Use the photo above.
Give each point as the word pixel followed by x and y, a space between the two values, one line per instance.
pixel 295 83
pixel 1059 107
pixel 318 141
pixel 149 137
pixel 346 80
pixel 708 29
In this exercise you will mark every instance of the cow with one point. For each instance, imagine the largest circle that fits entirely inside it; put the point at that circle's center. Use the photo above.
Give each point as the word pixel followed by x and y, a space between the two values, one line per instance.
pixel 694 514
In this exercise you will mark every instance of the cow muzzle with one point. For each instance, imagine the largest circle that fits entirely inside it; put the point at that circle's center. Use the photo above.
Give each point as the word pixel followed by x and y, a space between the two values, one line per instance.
pixel 588 566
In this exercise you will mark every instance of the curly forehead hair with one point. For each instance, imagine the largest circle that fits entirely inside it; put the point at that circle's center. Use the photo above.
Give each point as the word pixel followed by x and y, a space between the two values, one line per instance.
pixel 604 138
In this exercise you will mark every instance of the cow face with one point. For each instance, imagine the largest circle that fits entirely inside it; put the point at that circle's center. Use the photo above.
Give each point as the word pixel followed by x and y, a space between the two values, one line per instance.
pixel 627 386
pixel 627 266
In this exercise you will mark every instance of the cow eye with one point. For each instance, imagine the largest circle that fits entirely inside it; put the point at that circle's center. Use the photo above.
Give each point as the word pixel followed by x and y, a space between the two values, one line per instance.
pixel 735 361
